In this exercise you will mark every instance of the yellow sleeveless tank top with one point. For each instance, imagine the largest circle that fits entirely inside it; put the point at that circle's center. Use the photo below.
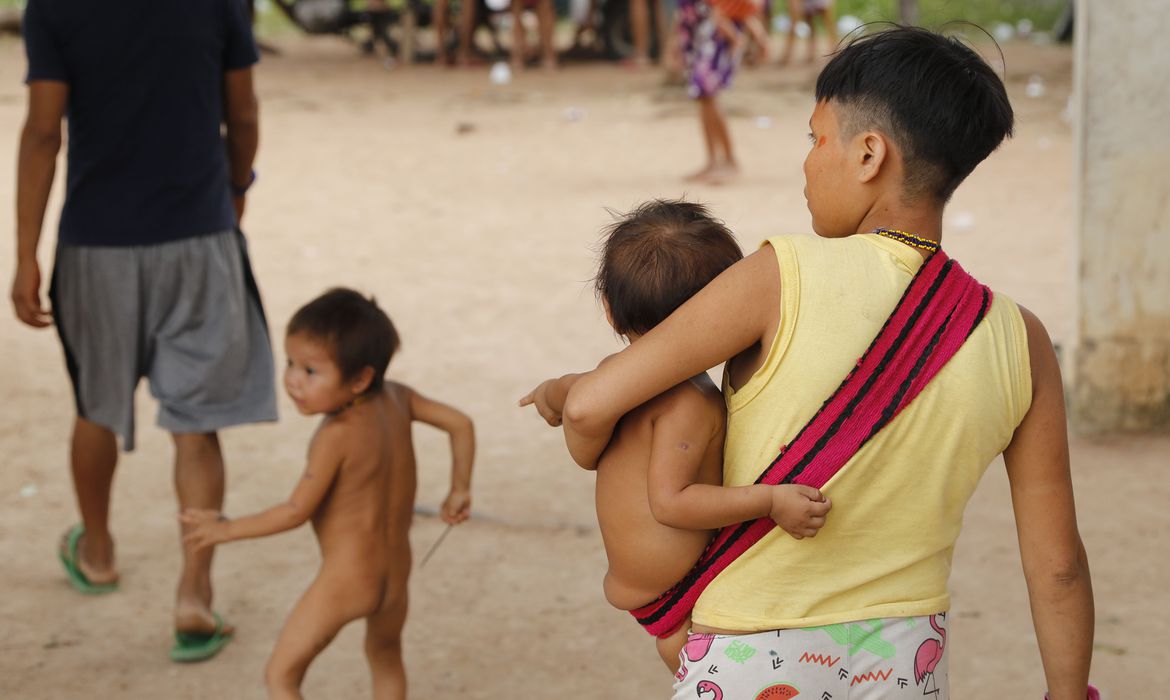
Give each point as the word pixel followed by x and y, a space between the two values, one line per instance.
pixel 885 550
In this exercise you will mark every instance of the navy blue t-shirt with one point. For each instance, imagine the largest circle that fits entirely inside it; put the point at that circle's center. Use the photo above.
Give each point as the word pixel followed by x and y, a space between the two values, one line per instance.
pixel 147 161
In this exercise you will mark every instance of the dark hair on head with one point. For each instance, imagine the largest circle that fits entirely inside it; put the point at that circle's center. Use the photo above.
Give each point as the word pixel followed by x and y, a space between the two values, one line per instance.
pixel 358 333
pixel 937 99
pixel 656 257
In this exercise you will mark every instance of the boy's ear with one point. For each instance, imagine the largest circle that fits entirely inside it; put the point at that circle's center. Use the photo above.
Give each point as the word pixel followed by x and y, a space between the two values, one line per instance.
pixel 873 149
pixel 362 380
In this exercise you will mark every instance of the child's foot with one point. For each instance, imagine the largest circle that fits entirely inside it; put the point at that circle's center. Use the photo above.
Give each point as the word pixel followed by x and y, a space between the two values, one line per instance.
pixel 721 174
pixel 701 175
pixel 95 564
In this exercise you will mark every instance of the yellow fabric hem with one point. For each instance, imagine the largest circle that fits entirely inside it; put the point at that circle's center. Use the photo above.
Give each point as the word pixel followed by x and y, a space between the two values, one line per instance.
pixel 745 624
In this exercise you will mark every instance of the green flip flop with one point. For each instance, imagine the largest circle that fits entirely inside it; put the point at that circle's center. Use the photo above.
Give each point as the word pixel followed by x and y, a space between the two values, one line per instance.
pixel 200 646
pixel 71 560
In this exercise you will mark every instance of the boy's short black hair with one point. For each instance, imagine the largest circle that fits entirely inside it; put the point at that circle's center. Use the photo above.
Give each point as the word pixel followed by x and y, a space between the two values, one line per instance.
pixel 656 257
pixel 358 333
pixel 937 99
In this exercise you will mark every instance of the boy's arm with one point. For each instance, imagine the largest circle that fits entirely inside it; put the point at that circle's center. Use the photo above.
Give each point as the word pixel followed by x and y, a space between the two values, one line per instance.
pixel 457 507
pixel 1055 565
pixel 40 140
pixel 209 527
pixel 732 313
pixel 549 398
pixel 676 500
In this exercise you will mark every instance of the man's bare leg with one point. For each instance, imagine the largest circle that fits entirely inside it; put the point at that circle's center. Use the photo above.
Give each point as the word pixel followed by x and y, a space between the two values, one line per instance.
pixel 93 458
pixel 199 483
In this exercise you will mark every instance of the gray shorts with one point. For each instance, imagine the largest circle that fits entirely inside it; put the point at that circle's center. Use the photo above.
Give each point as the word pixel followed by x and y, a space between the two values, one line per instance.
pixel 185 314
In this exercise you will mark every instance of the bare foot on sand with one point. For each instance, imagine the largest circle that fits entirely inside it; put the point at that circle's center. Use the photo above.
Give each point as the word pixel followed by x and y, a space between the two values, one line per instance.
pixel 714 174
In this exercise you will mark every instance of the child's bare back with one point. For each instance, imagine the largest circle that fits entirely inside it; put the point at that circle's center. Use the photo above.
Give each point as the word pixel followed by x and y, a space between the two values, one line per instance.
pixel 362 524
pixel 646 557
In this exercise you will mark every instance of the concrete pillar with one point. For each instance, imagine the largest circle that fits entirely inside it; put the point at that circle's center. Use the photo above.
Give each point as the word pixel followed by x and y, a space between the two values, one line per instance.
pixel 1122 110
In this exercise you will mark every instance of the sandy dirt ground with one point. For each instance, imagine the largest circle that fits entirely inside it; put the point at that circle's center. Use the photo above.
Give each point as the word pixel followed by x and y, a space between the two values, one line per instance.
pixel 471 211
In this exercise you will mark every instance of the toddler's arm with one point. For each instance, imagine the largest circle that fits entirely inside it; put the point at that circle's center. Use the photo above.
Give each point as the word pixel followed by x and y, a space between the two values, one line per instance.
pixel 549 398
pixel 737 310
pixel 681 436
pixel 209 527
pixel 457 506
pixel 1056 567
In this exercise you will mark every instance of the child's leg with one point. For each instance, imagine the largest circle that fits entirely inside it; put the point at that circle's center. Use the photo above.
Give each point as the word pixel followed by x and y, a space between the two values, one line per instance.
pixel 519 40
pixel 755 27
pixel 721 139
pixel 546 24
pixel 467 10
pixel 384 645
pixel 327 606
pixel 640 31
pixel 830 26
pixel 440 22
pixel 670 647
pixel 708 127
pixel 795 14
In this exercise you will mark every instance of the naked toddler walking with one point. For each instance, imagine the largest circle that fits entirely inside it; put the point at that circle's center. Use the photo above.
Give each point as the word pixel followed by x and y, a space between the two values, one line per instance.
pixel 358 489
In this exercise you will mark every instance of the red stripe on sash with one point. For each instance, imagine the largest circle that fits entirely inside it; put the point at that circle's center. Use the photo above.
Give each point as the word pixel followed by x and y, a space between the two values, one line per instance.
pixel 938 311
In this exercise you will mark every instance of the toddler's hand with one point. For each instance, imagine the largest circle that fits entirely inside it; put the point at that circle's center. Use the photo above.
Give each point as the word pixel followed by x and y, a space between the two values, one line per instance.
pixel 800 510
pixel 539 397
pixel 456 508
pixel 208 527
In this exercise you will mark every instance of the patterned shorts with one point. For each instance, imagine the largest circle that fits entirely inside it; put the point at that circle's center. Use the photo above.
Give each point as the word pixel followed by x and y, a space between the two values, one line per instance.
pixel 895 658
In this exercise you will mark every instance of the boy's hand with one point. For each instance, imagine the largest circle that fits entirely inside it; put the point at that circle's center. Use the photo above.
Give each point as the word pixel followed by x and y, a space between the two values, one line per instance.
pixel 457 507
pixel 800 510
pixel 208 527
pixel 539 397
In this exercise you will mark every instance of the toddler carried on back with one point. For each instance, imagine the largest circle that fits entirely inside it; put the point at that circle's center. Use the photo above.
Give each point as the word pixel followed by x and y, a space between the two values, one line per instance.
pixel 659 493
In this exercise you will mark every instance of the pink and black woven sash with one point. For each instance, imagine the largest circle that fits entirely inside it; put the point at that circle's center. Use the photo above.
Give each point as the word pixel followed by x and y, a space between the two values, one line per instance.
pixel 935 316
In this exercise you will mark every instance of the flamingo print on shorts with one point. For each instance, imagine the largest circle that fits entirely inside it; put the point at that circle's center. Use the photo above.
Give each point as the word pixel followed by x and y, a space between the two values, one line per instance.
pixel 928 656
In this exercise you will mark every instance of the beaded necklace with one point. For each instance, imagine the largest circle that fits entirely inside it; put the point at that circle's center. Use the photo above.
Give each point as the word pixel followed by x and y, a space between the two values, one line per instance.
pixel 908 238
pixel 359 399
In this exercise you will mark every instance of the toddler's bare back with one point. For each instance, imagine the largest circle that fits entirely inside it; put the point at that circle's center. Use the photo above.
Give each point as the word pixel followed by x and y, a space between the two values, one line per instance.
pixel 645 557
pixel 367 512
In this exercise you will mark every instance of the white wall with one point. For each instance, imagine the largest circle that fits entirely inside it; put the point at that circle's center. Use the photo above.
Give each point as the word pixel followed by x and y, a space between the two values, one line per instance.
pixel 1122 104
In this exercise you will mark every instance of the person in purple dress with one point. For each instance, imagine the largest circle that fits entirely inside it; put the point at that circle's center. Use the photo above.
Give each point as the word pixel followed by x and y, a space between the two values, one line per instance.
pixel 710 65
